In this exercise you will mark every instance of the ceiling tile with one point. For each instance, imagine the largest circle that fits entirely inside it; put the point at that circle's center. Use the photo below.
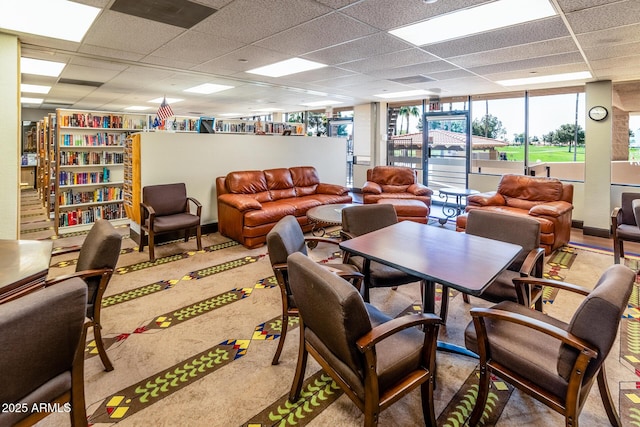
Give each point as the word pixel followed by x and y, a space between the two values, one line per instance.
pixel 365 47
pixel 196 47
pixel 532 64
pixel 389 60
pixel 609 16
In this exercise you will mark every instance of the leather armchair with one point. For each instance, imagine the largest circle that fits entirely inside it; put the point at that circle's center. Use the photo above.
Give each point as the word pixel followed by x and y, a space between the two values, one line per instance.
pixel 375 359
pixel 624 223
pixel 165 208
pixel 548 200
pixel 394 182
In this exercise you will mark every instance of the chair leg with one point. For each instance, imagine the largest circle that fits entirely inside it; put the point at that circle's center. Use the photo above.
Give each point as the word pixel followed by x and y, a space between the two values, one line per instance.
pixel 444 304
pixel 465 298
pixel 428 410
pixel 97 336
pixel 483 394
pixel 152 256
pixel 199 237
pixel 301 367
pixel 186 234
pixel 618 250
pixel 607 401
pixel 283 335
pixel 141 245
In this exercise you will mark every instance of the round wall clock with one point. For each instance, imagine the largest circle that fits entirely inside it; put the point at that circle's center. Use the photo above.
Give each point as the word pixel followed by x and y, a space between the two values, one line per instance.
pixel 598 113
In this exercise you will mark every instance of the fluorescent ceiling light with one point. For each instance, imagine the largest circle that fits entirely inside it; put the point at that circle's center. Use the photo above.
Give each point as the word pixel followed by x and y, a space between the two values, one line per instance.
pixel 264 110
pixel 40 67
pixel 34 88
pixel 26 100
pixel 486 17
pixel 406 93
pixel 580 75
pixel 169 100
pixel 287 67
pixel 137 108
pixel 59 19
pixel 322 103
pixel 208 88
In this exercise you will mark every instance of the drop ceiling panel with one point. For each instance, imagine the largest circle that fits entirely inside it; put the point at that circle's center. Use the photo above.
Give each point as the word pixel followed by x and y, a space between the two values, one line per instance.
pixel 609 16
pixel 365 47
pixel 390 60
pixel 575 5
pixel 242 59
pixel 80 72
pixel 325 31
pixel 109 53
pixel 611 36
pixel 319 74
pixel 427 69
pixel 533 64
pixel 337 4
pixel 195 47
pixel 614 53
pixel 251 20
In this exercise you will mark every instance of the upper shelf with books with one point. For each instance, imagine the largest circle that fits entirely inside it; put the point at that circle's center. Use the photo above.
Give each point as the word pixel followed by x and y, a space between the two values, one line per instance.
pixel 258 127
pixel 102 120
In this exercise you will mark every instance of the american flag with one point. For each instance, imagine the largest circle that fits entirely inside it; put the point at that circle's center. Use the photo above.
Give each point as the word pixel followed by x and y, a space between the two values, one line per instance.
pixel 165 111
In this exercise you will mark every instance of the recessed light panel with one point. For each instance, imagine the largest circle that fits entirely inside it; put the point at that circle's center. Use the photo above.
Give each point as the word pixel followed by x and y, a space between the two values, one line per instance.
pixel 26 100
pixel 59 19
pixel 169 100
pixel 287 67
pixel 208 88
pixel 474 20
pixel 40 67
pixel 580 75
pixel 34 88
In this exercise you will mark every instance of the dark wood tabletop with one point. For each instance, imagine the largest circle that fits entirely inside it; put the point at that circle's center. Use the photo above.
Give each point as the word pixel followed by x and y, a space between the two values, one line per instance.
pixel 24 265
pixel 461 261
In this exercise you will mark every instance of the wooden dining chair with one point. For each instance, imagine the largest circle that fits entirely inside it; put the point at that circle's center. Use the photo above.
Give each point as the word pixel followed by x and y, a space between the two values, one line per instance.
pixel 625 224
pixel 285 238
pixel 554 362
pixel 375 359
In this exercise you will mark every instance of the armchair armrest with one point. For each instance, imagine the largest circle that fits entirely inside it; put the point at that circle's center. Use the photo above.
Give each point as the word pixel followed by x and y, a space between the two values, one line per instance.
pixel 418 189
pixel 147 211
pixel 371 187
pixel 240 202
pixel 430 321
pixel 85 274
pixel 532 266
pixel 490 198
pixel 333 189
pixel 553 209
pixel 197 204
pixel 537 281
pixel 616 218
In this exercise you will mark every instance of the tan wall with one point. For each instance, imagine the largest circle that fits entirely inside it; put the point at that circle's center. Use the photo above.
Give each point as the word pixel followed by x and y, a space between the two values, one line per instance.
pixel 620 140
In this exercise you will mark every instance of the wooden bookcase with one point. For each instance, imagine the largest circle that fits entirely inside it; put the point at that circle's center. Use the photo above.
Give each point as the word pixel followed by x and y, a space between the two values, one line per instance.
pixel 89 172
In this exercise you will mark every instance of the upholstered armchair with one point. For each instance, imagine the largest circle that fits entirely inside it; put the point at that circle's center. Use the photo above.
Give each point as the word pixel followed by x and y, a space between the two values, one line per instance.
pixel 554 362
pixel 42 337
pixel 374 358
pixel 165 208
pixel 394 182
pixel 96 263
pixel 548 200
pixel 625 223
pixel 285 238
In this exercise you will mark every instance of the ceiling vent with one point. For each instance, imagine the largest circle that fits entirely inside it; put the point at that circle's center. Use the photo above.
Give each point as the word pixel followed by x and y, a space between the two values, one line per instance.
pixel 181 13
pixel 80 82
pixel 413 79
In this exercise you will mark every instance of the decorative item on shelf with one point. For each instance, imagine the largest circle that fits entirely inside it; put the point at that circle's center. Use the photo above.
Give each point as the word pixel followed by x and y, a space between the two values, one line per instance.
pixel 259 129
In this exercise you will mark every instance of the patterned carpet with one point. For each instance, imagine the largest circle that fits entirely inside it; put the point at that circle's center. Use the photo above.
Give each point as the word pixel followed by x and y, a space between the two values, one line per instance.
pixel 192 334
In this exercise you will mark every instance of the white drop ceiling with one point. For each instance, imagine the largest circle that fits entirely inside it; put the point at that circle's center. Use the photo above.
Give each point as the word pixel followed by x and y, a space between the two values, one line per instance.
pixel 137 59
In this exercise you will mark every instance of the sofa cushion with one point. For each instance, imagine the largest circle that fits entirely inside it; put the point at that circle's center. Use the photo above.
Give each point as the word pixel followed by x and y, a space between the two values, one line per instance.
pixel 249 182
pixel 279 183
pixel 394 188
pixel 393 175
pixel 271 212
pixel 305 180
pixel 530 188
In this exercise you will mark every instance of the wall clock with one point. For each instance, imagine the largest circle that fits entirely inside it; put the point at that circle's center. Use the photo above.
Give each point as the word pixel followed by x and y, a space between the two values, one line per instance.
pixel 598 113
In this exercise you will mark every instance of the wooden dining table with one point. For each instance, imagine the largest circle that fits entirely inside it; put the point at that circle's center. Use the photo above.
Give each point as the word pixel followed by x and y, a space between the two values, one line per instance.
pixel 24 265
pixel 458 260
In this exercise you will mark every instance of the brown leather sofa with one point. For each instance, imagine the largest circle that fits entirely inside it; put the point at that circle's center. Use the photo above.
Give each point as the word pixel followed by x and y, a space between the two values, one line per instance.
pixel 250 203
pixel 394 182
pixel 548 200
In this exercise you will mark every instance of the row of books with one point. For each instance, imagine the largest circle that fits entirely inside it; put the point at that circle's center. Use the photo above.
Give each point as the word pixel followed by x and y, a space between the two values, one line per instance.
pixel 93 140
pixel 253 127
pixel 231 127
pixel 91 215
pixel 103 194
pixel 111 121
pixel 82 158
pixel 75 178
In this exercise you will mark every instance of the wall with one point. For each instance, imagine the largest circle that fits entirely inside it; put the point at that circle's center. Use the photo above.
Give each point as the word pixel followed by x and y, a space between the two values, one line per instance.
pixel 198 159
pixel 10 137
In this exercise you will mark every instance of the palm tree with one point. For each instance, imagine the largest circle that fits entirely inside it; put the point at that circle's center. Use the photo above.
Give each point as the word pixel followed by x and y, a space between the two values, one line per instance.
pixel 407 112
pixel 403 112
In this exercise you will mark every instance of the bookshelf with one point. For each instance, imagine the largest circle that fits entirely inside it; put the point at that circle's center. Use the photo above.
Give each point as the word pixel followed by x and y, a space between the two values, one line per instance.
pixel 89 172
pixel 254 126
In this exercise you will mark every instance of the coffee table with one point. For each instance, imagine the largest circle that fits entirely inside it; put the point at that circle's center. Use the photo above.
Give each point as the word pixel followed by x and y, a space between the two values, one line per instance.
pixel 326 215
pixel 452 208
pixel 24 265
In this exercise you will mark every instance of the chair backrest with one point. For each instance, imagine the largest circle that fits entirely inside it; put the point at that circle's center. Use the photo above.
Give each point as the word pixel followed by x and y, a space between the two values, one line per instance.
pixel 166 199
pixel 34 351
pixel 628 216
pixel 332 310
pixel 392 175
pixel 359 220
pixel 516 229
pixel 597 319
pixel 101 249
pixel 285 238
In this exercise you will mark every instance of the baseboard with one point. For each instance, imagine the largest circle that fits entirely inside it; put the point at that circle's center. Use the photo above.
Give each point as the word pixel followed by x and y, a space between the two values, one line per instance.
pixel 598 232
pixel 176 235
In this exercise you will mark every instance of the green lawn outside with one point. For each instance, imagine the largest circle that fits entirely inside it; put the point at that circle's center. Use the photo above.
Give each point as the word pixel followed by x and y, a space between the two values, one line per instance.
pixel 550 153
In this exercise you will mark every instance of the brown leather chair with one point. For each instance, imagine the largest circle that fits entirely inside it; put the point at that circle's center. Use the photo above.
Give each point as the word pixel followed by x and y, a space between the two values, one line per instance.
pixel 165 208
pixel 359 220
pixel 624 224
pixel 42 337
pixel 96 262
pixel 394 182
pixel 518 230
pixel 548 200
pixel 285 238
pixel 553 361
pixel 375 359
